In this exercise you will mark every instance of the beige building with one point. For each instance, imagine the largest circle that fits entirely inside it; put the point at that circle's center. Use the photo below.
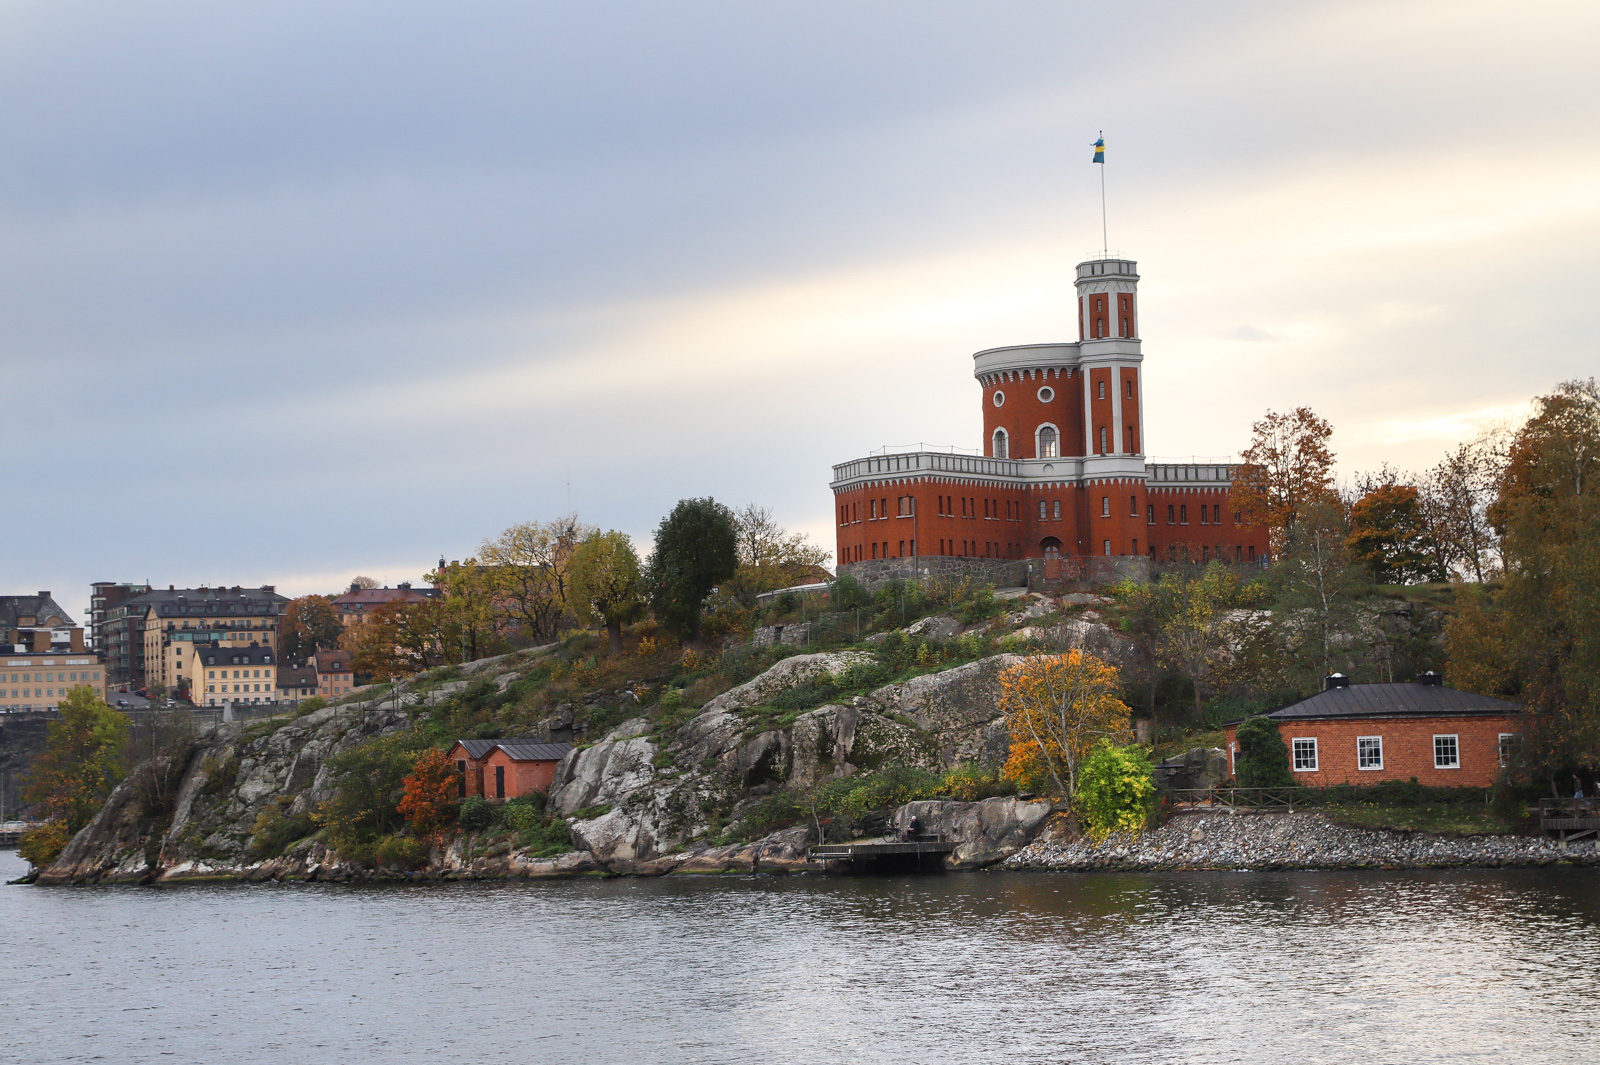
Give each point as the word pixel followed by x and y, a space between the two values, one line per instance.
pixel 43 656
pixel 229 676
pixel 296 683
pixel 178 621
pixel 354 606
pixel 334 675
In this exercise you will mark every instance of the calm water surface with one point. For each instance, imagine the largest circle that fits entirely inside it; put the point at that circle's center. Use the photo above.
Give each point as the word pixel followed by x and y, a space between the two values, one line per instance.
pixel 1488 966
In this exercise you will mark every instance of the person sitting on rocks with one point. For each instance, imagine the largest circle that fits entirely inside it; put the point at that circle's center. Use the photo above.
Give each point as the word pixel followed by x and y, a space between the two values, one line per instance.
pixel 914 829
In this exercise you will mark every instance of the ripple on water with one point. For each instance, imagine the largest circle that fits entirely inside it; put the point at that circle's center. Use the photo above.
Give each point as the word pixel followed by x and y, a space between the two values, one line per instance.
pixel 1452 966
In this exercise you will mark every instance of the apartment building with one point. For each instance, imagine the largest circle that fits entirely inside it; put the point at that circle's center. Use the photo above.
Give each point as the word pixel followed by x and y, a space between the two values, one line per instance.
pixel 42 656
pixel 226 674
pixel 179 622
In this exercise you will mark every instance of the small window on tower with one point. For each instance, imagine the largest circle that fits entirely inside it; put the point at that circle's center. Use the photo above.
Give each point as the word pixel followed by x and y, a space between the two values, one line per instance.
pixel 1042 514
pixel 1133 509
pixel 1002 448
pixel 1102 393
pixel 1105 506
pixel 1047 442
pixel 1171 519
pixel 1152 511
pixel 1129 383
pixel 1102 440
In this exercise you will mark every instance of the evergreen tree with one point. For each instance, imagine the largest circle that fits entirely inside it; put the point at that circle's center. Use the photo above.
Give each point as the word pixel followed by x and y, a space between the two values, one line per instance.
pixel 696 549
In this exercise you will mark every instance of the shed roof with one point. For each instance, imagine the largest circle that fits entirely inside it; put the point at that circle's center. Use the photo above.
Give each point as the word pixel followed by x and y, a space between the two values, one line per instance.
pixel 476 749
pixel 1394 700
pixel 535 752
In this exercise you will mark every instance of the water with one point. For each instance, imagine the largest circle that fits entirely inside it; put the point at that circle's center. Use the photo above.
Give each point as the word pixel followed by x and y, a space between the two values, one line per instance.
pixel 1467 966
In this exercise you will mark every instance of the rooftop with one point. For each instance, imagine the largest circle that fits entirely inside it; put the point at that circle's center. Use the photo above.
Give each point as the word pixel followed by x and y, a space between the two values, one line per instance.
pixel 1393 700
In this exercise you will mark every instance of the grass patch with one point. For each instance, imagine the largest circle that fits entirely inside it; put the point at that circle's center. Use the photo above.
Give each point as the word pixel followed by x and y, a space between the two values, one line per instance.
pixel 589 813
pixel 1455 819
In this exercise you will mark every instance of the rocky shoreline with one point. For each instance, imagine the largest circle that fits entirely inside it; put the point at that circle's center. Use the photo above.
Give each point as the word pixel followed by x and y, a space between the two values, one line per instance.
pixel 1222 840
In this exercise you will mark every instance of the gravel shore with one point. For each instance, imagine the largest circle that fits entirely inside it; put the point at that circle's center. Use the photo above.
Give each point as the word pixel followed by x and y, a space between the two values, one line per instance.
pixel 1221 840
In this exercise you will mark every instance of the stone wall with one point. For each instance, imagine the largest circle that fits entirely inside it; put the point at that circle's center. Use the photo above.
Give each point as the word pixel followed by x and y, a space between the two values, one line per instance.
pixel 1002 573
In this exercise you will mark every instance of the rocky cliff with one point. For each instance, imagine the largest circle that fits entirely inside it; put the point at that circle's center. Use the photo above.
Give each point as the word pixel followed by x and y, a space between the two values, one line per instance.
pixel 646 797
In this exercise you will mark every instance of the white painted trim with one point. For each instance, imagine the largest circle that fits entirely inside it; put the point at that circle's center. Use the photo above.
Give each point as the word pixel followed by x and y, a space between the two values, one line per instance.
pixel 1456 737
pixel 1316 755
pixel 1369 768
pixel 1116 410
pixel 994 438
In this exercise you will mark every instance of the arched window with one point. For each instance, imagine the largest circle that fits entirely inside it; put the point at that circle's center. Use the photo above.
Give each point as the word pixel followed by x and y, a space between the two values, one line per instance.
pixel 1051 547
pixel 1102 440
pixel 1048 442
pixel 1002 446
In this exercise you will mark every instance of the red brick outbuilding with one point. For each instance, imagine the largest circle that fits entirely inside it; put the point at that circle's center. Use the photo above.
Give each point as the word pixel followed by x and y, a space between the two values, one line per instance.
pixel 1367 733
pixel 515 768
pixel 468 755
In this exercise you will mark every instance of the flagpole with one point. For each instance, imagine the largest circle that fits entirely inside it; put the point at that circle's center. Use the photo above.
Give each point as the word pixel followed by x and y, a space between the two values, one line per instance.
pixel 1105 241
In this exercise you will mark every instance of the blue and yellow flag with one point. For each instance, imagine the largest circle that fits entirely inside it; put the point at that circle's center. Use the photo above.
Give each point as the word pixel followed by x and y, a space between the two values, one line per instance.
pixel 1100 150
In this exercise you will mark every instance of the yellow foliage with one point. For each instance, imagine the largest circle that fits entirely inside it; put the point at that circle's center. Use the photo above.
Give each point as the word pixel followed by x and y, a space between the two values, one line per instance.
pixel 1057 708
pixel 648 647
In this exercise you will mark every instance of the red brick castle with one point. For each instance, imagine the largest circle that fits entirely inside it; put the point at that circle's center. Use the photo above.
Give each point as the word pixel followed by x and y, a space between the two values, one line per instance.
pixel 1062 475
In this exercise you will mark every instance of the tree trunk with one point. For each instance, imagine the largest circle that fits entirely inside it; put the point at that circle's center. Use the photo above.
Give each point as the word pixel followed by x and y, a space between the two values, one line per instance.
pixel 614 635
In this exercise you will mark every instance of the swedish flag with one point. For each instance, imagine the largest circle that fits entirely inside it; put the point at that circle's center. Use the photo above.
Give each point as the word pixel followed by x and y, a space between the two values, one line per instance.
pixel 1100 150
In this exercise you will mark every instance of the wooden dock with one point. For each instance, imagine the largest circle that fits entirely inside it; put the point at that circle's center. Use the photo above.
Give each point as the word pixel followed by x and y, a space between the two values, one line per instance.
pixel 11 832
pixel 913 856
pixel 1570 819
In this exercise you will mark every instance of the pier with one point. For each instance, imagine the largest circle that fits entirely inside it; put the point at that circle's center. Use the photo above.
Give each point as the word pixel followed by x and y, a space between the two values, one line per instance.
pixel 911 856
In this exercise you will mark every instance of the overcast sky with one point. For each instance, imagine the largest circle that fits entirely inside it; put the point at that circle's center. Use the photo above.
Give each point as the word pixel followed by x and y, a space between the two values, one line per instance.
pixel 296 291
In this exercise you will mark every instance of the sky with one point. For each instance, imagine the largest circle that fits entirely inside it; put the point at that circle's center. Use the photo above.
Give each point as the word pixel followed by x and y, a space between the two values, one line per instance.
pixel 291 292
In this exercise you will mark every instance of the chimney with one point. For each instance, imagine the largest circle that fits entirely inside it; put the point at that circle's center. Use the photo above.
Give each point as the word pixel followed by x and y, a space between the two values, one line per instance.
pixel 41 641
pixel 1335 680
pixel 1431 679
pixel 77 641
pixel 44 595
pixel 172 587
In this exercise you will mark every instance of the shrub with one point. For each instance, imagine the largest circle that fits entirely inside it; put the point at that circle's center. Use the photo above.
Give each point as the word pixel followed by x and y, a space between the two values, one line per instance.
pixel 589 813
pixel 672 699
pixel 402 851
pixel 848 593
pixel 524 813
pixel 368 784
pixel 476 814
pixel 1115 790
pixel 310 706
pixel 768 814
pixel 547 839
pixel 43 845
pixel 1263 760
pixel 648 647
pixel 273 831
pixel 970 783
pixel 980 605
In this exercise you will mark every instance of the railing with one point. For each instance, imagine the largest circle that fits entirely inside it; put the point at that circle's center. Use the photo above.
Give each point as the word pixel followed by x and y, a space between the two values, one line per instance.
pixel 1247 798
pixel 1570 818
pixel 926 461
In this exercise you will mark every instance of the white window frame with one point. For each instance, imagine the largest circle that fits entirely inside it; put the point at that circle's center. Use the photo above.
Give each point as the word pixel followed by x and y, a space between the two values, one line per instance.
pixel 1502 748
pixel 1001 444
pixel 1378 740
pixel 1294 754
pixel 1455 743
pixel 1038 446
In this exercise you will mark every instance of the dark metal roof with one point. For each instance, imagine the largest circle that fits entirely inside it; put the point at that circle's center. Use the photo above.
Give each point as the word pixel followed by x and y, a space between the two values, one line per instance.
pixel 1394 700
pixel 42 608
pixel 535 752
pixel 221 654
pixel 476 749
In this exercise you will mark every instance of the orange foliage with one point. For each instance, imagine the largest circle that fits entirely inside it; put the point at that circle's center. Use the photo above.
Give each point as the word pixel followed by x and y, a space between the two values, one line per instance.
pixel 1057 708
pixel 430 802
pixel 1286 469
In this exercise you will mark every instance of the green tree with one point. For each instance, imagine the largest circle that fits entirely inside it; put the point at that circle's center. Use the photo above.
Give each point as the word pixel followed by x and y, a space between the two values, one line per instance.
pixel 1316 589
pixel 1185 618
pixel 1116 790
pixel 696 549
pixel 606 584
pixel 71 778
pixel 1389 536
pixel 525 574
pixel 466 618
pixel 1262 761
pixel 309 622
pixel 368 785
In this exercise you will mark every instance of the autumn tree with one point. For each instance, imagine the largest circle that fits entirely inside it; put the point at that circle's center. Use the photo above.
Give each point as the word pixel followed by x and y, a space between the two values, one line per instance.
pixel 606 584
pixel 398 639
pixel 358 583
pixel 696 549
pixel 1287 468
pixel 769 556
pixel 71 778
pixel 431 799
pixel 1389 535
pixel 309 622
pixel 1057 707
pixel 527 572
pixel 1545 620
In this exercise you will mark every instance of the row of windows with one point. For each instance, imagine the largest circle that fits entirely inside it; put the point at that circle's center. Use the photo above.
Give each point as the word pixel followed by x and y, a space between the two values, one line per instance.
pixel 47 678
pixel 1369 752
pixel 239 687
pixel 211 674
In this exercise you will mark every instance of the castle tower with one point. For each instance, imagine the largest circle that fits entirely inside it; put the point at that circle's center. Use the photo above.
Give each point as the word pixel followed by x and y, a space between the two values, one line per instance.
pixel 1108 345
